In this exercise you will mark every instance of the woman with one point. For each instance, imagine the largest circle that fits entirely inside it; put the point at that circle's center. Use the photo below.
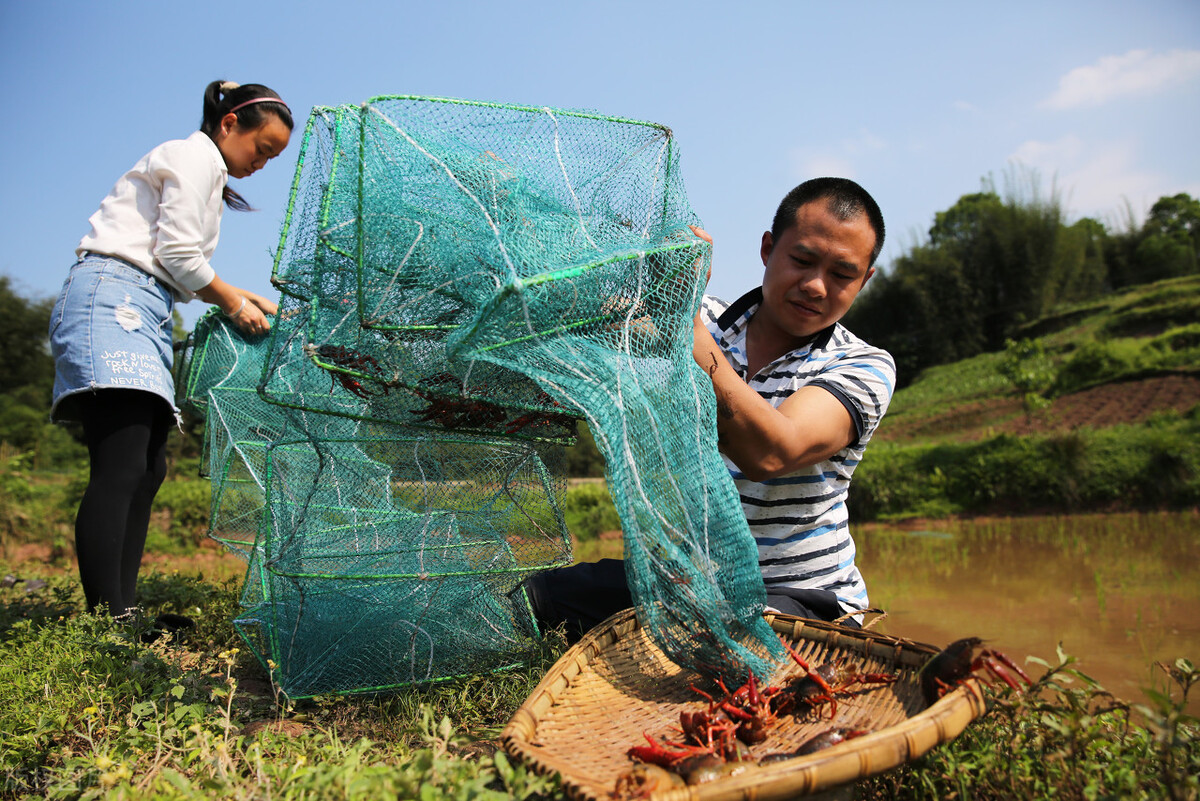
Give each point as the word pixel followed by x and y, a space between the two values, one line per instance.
pixel 110 332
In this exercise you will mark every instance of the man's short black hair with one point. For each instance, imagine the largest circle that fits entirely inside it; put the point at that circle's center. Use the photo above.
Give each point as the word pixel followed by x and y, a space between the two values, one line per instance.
pixel 846 199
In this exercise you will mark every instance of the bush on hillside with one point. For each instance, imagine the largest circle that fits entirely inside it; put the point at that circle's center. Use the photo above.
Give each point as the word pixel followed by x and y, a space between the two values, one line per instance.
pixel 1155 464
pixel 589 510
pixel 1097 362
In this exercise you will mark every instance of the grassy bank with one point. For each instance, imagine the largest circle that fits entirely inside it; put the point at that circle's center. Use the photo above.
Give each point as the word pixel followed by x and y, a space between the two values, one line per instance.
pixel 1155 464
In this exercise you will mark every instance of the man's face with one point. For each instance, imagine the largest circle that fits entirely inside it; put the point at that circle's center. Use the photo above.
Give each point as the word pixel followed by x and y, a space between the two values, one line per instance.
pixel 815 270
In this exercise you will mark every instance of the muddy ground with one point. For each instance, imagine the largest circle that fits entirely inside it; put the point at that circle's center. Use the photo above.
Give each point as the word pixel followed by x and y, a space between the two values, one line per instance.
pixel 1099 407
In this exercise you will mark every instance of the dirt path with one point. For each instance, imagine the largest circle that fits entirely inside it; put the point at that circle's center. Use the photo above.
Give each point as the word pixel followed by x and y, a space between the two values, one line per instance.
pixel 1114 404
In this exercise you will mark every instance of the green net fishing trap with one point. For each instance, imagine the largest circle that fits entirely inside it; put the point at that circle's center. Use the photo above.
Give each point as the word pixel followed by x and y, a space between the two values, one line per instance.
pixel 462 282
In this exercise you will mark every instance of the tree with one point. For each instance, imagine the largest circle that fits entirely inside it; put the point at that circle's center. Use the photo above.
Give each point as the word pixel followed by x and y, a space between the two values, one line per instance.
pixel 26 366
pixel 1170 239
pixel 1080 272
pixel 27 379
pixel 923 312
pixel 990 264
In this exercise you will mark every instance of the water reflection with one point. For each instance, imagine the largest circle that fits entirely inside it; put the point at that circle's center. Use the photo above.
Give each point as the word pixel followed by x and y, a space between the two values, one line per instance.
pixel 1118 591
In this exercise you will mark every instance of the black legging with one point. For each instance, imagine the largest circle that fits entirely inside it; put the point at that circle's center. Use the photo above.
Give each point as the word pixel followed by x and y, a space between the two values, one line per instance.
pixel 126 432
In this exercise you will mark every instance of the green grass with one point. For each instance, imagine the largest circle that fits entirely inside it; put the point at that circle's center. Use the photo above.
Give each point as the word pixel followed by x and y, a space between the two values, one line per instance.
pixel 89 712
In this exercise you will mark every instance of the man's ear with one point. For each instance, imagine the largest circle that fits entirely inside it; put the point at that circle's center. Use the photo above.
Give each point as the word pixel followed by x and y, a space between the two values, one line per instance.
pixel 768 244
pixel 867 277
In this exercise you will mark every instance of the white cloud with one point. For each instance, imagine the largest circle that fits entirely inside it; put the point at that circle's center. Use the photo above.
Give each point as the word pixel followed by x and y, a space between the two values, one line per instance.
pixel 1038 154
pixel 838 160
pixel 1137 72
pixel 1094 180
pixel 807 165
pixel 963 105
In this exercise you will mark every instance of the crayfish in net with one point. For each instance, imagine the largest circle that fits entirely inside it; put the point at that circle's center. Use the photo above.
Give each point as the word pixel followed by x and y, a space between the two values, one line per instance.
pixel 342 356
pixel 450 407
pixel 962 659
pixel 540 419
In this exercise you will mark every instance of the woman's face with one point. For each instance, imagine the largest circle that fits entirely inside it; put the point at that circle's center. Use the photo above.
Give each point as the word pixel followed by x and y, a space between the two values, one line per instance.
pixel 247 150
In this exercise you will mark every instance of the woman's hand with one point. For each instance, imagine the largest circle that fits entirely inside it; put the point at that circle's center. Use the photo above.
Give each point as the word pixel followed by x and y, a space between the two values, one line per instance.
pixel 268 307
pixel 249 318
pixel 244 309
pixel 254 311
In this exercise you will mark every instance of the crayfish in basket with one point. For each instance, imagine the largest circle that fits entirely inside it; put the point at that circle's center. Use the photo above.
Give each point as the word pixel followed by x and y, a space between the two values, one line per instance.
pixel 962 659
pixel 823 685
pixel 714 743
pixel 818 742
pixel 716 740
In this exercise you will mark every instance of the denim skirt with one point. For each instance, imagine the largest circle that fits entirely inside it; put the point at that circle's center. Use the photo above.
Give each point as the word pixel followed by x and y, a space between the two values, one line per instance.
pixel 110 329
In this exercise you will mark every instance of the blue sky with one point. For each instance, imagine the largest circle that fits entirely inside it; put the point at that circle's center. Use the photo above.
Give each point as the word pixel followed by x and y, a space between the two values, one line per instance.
pixel 918 101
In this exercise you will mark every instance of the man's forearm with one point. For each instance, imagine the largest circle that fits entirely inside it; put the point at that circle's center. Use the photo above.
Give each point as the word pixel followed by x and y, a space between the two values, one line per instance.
pixel 765 442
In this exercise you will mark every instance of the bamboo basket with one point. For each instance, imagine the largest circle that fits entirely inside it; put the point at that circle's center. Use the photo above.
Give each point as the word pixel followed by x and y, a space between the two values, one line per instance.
pixel 615 684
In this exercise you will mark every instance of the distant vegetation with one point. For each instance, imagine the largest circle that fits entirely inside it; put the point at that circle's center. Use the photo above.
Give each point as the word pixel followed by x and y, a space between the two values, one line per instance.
pixel 992 265
pixel 1004 300
pixel 946 445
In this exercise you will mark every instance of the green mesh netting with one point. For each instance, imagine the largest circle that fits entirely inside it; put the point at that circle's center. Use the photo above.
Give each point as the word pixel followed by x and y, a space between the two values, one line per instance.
pixel 461 283
pixel 379 555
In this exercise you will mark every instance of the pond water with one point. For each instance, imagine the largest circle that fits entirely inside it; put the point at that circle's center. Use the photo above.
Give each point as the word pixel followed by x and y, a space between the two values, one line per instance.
pixel 1118 591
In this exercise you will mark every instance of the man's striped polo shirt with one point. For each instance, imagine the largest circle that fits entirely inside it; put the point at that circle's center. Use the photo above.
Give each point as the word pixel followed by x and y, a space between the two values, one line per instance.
pixel 800 520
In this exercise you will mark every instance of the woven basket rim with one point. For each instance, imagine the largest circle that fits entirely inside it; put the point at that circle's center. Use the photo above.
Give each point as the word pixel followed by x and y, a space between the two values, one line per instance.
pixel 854 759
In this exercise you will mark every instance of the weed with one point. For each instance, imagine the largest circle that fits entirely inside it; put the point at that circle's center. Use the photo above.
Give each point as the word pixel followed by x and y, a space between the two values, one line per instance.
pixel 1066 738
pixel 89 711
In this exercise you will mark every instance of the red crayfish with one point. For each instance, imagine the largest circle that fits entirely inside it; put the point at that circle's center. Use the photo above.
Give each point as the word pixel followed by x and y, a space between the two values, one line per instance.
pixel 719 735
pixel 451 407
pixel 712 737
pixel 539 419
pixel 824 684
pixel 959 660
pixel 344 357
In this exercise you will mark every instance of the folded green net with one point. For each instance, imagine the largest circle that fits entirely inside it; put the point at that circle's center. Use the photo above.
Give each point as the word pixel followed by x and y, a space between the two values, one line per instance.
pixel 462 282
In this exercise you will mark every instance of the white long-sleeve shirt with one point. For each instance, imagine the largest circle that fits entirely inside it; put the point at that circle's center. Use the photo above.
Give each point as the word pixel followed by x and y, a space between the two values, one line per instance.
pixel 164 215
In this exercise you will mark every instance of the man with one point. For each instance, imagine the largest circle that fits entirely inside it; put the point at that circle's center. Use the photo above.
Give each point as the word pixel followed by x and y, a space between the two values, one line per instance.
pixel 798 398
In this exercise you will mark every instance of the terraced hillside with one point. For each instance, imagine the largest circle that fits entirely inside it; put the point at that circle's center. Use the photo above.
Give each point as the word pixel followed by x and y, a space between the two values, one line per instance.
pixel 1097 408
pixel 1119 360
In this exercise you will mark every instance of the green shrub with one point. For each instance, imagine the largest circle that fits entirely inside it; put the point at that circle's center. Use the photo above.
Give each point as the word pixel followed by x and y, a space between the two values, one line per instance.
pixel 188 503
pixel 1096 362
pixel 1066 738
pixel 1026 365
pixel 1177 339
pixel 901 482
pixel 588 510
pixel 1143 319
